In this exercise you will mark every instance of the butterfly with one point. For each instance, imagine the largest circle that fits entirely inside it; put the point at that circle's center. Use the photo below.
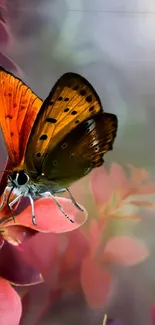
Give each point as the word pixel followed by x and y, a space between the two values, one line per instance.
pixel 55 142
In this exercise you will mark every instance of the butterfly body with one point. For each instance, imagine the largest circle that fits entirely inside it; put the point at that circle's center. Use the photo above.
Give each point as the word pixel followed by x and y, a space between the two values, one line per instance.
pixel 54 143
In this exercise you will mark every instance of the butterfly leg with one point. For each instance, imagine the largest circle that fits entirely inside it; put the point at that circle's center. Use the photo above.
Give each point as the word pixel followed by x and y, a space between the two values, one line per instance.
pixel 32 207
pixel 3 198
pixel 31 202
pixel 6 199
pixel 14 201
pixel 49 194
pixel 73 200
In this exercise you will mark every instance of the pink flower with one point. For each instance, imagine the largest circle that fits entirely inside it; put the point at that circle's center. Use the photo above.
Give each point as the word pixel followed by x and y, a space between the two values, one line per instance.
pixel 81 261
pixel 96 278
pixel 59 258
pixel 118 196
pixel 14 269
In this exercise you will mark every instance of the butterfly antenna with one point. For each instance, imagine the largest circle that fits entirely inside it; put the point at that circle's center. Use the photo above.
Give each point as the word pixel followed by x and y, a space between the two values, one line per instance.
pixel 33 171
pixel 10 171
pixel 5 170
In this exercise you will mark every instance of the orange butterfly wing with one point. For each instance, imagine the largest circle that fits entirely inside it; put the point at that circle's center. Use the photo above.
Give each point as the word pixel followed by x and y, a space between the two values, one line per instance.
pixel 71 101
pixel 19 107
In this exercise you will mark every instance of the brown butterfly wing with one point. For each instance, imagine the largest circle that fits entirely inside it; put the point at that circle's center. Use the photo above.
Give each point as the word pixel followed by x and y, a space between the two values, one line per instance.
pixel 18 109
pixel 71 101
pixel 79 152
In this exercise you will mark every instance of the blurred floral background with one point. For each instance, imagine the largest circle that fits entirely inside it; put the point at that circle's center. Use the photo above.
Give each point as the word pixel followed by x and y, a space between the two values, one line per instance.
pixel 107 265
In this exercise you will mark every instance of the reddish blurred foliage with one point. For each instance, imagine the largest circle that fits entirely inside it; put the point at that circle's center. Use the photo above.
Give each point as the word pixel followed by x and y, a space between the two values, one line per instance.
pixel 5 36
pixel 18 4
pixel 124 250
pixel 113 322
pixel 109 321
pixel 3 4
pixel 153 315
pixel 9 10
pixel 81 261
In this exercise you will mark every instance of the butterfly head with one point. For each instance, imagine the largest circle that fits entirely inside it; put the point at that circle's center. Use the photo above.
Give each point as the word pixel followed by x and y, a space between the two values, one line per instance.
pixel 18 178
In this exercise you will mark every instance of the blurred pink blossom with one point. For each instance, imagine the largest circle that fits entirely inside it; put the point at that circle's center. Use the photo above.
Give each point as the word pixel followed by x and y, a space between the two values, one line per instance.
pixel 96 278
pixel 117 196
pixel 153 315
pixel 81 261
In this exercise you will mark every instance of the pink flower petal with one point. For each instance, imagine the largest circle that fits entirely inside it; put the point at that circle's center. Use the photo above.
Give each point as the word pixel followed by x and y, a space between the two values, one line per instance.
pixel 50 218
pixel 76 250
pixel 104 183
pixel 95 236
pixel 125 251
pixel 16 235
pixel 43 252
pixel 148 188
pixel 96 283
pixel 142 203
pixel 119 179
pixel 121 215
pixel 10 304
pixel 138 174
pixel 15 269
pixel 100 184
